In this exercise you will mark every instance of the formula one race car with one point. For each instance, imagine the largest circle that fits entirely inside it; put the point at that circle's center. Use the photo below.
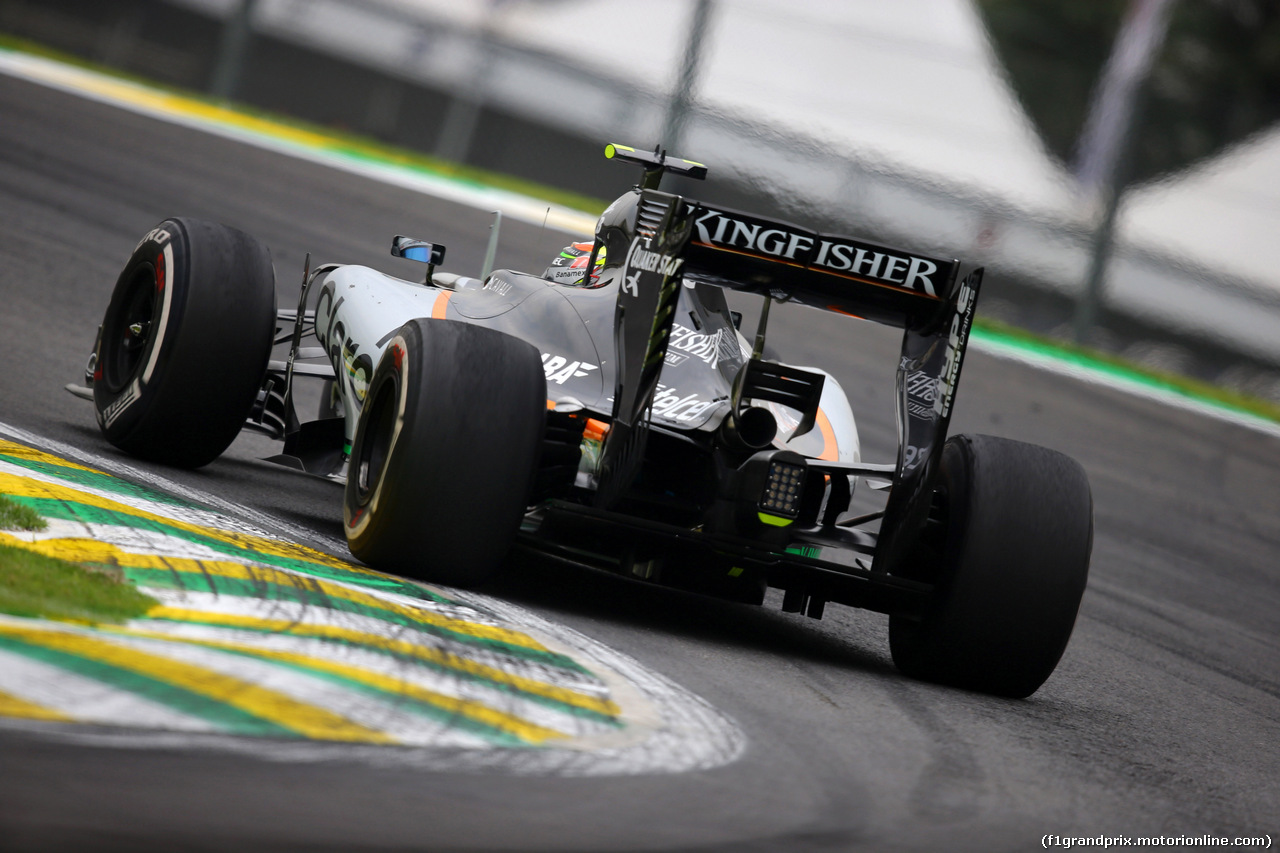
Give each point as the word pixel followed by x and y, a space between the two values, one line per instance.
pixel 618 419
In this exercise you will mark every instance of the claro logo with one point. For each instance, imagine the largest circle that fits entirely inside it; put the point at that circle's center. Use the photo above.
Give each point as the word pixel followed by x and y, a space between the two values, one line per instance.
pixel 820 251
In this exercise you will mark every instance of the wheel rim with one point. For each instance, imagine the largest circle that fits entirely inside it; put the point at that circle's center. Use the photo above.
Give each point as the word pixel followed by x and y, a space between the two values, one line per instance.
pixel 126 334
pixel 371 456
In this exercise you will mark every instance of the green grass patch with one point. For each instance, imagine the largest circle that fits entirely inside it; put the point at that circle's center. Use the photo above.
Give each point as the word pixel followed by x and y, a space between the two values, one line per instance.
pixel 16 516
pixel 34 585
pixel 1184 385
pixel 339 140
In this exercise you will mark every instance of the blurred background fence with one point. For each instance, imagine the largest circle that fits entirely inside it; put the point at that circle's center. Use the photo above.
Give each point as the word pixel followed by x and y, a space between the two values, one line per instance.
pixel 533 88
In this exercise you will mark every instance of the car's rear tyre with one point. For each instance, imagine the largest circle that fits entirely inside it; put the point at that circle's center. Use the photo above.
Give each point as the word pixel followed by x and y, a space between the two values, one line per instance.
pixel 1010 569
pixel 445 451
pixel 185 342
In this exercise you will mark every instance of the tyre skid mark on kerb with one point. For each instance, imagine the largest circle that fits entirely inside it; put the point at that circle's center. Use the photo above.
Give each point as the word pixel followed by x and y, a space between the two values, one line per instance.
pixel 256 637
pixel 233 516
pixel 376 668
pixel 164 565
pixel 60 501
pixel 560 685
pixel 514 640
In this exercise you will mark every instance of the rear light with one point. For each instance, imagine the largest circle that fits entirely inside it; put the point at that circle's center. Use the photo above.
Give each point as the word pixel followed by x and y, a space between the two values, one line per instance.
pixel 782 490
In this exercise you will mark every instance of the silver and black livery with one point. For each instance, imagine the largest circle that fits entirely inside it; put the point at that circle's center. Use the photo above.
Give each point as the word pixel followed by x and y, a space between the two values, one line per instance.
pixel 626 424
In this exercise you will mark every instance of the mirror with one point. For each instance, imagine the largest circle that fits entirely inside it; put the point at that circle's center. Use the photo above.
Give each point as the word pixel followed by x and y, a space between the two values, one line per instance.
pixel 417 250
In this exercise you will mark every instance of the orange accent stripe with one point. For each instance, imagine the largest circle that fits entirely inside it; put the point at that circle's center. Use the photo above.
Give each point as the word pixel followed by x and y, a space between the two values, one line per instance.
pixel 551 404
pixel 830 452
pixel 442 302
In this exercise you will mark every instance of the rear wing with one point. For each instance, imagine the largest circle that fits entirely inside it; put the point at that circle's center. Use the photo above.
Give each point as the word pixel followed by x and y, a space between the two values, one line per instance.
pixel 656 240
pixel 828 271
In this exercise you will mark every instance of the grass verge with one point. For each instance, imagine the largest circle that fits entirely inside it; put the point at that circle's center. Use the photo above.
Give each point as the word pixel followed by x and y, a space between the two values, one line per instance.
pixel 1101 360
pixel 34 585
pixel 16 516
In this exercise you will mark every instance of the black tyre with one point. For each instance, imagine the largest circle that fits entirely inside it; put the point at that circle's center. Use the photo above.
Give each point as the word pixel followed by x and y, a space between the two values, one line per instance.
pixel 445 451
pixel 1011 568
pixel 185 342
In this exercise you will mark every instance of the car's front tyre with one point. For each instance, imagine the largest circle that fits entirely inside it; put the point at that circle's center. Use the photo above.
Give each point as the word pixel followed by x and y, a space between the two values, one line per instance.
pixel 185 342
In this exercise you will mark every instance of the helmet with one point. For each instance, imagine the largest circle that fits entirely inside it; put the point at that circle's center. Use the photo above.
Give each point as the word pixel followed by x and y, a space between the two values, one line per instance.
pixel 569 266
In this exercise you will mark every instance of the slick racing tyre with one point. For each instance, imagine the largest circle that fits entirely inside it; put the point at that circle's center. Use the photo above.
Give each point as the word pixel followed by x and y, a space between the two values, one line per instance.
pixel 185 342
pixel 1012 567
pixel 445 450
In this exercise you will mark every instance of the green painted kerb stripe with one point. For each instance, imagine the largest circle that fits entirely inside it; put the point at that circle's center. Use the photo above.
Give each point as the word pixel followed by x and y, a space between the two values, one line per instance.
pixel 97 480
pixel 444 716
pixel 461 675
pixel 269 591
pixel 89 514
pixel 226 717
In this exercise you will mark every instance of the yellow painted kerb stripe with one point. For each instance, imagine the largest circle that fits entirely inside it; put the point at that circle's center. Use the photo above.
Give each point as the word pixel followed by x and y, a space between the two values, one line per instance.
pixel 21 451
pixel 25 487
pixel 426 654
pixel 471 709
pixel 15 706
pixel 308 720
pixel 92 551
pixel 132 93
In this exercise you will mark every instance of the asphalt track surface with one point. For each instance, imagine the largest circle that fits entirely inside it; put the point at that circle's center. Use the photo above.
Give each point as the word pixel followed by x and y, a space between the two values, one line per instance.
pixel 1163 717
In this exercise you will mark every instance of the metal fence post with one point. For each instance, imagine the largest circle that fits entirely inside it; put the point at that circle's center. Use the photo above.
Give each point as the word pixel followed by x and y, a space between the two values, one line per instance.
pixel 682 98
pixel 232 51
pixel 1107 141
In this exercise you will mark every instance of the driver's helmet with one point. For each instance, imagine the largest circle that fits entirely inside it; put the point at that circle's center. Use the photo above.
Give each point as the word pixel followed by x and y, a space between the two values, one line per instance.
pixel 570 265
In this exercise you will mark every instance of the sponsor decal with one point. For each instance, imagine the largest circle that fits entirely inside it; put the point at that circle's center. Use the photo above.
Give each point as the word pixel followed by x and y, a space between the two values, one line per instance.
pixel 631 284
pixel 560 370
pixel 670 405
pixel 914 456
pixel 673 359
pixel 343 351
pixel 922 390
pixel 710 348
pixel 359 368
pixel 909 272
pixel 955 343
pixel 823 252
pixel 643 259
pixel 640 259
pixel 126 399
pixel 753 235
pixel 158 235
